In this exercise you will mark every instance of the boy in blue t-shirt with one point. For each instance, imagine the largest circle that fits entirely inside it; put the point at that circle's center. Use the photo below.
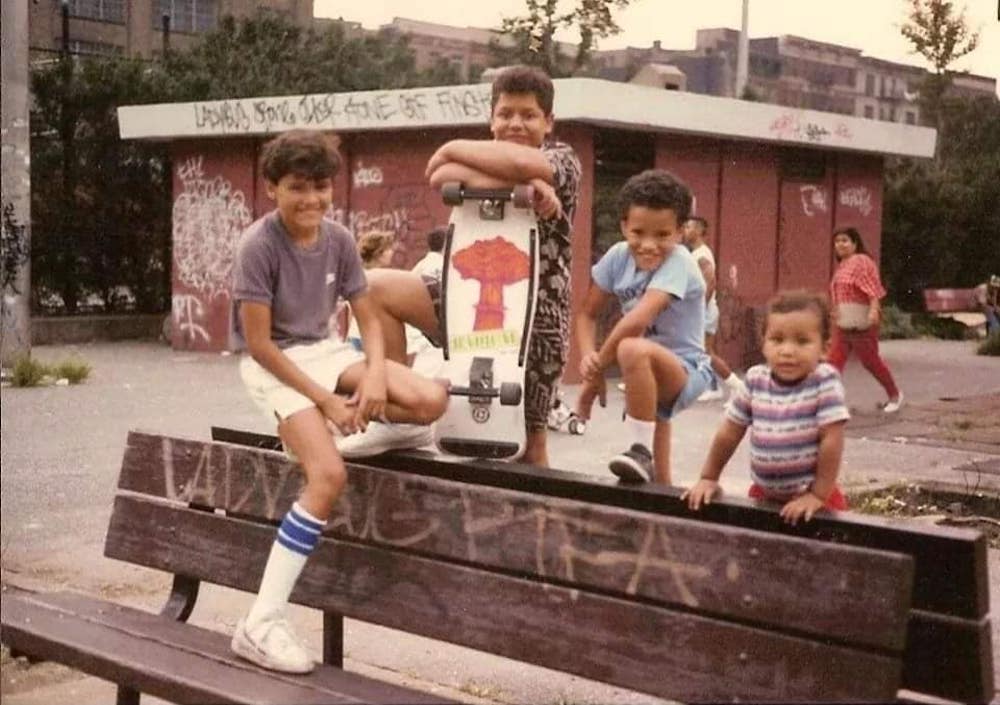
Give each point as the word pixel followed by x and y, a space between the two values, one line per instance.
pixel 658 341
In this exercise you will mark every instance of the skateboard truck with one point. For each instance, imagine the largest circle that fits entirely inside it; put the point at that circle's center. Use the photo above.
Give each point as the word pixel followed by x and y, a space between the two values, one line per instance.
pixel 481 389
pixel 491 200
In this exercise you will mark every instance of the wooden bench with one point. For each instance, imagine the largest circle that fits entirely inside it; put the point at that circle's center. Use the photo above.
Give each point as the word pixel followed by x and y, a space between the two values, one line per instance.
pixel 616 584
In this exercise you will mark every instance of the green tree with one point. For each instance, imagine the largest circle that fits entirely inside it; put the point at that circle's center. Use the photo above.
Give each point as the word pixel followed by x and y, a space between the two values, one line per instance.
pixel 101 206
pixel 941 221
pixel 531 35
pixel 942 36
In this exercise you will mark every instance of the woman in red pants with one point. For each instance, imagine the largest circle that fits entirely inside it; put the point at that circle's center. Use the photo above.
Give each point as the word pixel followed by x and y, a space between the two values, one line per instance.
pixel 855 292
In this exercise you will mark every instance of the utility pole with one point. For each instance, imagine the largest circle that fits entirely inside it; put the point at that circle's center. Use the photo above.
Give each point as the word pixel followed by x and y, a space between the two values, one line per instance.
pixel 743 52
pixel 15 306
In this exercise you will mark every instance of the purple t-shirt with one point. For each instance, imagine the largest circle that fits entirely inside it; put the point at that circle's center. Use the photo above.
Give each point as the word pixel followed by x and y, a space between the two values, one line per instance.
pixel 301 285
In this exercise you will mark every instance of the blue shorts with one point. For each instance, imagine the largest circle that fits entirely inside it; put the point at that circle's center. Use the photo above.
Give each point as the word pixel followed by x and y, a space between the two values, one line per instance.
pixel 699 379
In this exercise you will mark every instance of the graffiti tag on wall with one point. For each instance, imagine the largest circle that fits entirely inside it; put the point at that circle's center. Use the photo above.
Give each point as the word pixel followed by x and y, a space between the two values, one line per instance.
pixel 450 105
pixel 208 217
pixel 857 197
pixel 813 199
pixel 790 126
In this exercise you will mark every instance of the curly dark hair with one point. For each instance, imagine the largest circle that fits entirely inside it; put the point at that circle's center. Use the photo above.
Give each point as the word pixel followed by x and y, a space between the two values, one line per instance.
pixel 801 300
pixel 657 189
pixel 524 79
pixel 306 153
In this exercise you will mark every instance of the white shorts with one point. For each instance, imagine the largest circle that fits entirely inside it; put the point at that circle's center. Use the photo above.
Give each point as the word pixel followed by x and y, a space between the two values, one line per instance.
pixel 711 317
pixel 323 361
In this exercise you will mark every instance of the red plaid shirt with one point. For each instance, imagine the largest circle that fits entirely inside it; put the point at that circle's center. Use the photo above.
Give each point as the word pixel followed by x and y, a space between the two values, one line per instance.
pixel 856 281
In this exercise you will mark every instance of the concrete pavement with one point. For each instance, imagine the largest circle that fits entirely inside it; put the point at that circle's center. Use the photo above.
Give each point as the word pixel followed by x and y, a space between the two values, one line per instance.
pixel 62 447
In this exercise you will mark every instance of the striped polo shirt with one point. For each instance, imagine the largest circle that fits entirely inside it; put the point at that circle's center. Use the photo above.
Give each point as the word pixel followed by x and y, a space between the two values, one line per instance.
pixel 784 423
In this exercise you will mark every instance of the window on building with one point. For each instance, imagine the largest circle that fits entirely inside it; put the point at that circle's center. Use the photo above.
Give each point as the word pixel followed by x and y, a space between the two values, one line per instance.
pixel 869 84
pixel 869 112
pixel 911 117
pixel 187 15
pixel 103 10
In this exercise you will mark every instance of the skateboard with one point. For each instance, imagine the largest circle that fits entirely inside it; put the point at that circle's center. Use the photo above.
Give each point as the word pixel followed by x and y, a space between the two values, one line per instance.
pixel 488 286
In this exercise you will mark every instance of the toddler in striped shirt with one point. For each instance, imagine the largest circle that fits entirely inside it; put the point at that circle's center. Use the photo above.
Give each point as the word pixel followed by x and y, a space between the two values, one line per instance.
pixel 795 410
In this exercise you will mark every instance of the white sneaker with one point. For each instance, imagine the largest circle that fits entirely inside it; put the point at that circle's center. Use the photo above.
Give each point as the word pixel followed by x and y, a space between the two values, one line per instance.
pixel 272 644
pixel 892 406
pixel 712 395
pixel 380 437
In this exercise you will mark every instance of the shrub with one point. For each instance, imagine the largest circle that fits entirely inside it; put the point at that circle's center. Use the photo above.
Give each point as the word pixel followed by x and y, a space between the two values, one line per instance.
pixel 28 372
pixel 74 370
pixel 990 346
pixel 940 327
pixel 896 324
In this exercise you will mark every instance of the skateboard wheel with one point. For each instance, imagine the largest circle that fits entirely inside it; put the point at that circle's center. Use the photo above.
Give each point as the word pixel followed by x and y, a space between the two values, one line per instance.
pixel 577 427
pixel 523 196
pixel 451 193
pixel 510 394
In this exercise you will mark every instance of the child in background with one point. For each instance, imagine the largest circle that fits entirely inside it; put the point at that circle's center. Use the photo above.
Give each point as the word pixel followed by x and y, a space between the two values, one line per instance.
pixel 659 341
pixel 794 407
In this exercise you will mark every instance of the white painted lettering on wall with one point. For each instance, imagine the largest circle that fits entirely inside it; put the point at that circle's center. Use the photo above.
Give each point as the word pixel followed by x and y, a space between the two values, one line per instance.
pixel 208 217
pixel 187 311
pixel 858 197
pixel 790 126
pixel 813 199
pixel 457 105
pixel 366 176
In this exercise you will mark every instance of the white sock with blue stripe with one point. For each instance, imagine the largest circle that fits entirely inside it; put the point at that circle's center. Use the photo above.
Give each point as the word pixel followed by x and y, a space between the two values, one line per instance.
pixel 297 537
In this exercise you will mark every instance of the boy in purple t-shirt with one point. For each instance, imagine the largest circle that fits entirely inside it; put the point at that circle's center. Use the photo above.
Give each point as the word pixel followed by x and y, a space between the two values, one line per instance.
pixel 795 410
pixel 291 268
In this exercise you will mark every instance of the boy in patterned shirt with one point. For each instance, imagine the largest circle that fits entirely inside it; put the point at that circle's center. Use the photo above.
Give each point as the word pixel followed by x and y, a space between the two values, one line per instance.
pixel 794 407
pixel 521 152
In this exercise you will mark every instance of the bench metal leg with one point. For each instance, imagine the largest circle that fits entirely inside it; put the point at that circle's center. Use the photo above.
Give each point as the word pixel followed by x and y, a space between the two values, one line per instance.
pixel 333 639
pixel 127 696
pixel 183 595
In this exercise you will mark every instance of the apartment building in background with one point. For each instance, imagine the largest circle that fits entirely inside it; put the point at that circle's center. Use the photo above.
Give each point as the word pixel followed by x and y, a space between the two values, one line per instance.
pixel 135 27
pixel 784 70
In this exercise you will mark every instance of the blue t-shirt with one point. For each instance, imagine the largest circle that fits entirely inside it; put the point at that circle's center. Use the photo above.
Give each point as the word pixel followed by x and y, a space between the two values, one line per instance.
pixel 679 327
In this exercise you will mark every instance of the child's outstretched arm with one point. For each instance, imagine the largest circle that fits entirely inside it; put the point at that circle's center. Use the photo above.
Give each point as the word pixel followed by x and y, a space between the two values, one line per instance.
pixel 726 440
pixel 831 449
pixel 509 162
pixel 633 324
pixel 586 340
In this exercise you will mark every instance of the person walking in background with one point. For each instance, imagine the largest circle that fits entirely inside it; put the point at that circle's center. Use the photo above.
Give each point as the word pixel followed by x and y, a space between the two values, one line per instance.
pixel 987 297
pixel 856 292
pixel 694 231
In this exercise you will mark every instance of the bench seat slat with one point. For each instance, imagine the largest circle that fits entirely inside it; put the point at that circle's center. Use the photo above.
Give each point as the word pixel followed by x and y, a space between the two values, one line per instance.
pixel 180 662
pixel 660 651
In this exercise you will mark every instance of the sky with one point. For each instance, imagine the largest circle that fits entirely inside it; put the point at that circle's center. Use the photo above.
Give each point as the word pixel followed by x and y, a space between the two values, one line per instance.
pixel 869 25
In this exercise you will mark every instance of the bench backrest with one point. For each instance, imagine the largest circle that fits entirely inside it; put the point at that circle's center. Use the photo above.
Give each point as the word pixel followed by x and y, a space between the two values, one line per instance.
pixel 676 608
pixel 950 300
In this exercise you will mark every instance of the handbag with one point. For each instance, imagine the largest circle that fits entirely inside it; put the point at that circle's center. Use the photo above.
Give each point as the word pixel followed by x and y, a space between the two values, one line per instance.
pixel 853 316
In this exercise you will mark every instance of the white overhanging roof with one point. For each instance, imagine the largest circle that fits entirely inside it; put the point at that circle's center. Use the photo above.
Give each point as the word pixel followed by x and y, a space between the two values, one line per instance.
pixel 585 100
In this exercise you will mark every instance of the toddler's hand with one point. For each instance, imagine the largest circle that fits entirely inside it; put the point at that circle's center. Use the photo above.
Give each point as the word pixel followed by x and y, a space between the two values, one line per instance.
pixel 590 365
pixel 803 506
pixel 702 493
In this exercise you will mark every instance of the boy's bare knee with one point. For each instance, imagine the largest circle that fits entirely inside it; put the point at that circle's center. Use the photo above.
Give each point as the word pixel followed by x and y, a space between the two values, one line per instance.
pixel 432 404
pixel 326 480
pixel 630 352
